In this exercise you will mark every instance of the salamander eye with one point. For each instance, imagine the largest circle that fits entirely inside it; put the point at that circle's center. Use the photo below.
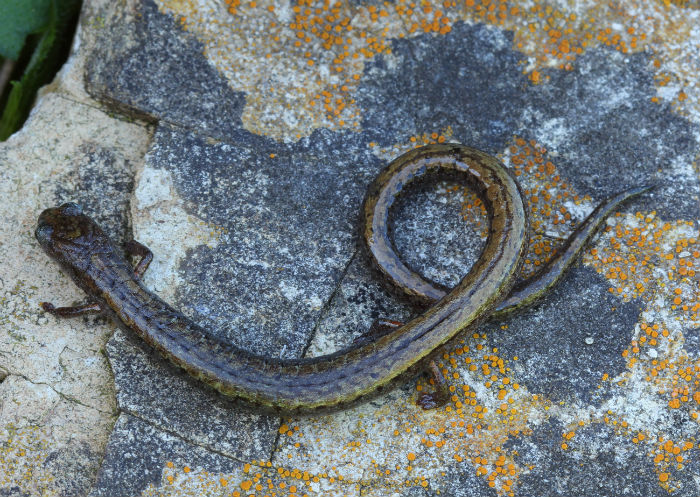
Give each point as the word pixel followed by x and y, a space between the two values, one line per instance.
pixel 43 233
pixel 71 209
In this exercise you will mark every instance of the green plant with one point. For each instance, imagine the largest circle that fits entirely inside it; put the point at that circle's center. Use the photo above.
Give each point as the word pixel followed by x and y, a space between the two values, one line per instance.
pixel 35 37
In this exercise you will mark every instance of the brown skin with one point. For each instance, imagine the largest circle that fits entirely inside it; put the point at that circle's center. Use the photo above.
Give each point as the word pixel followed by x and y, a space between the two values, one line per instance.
pixel 324 383
pixel 426 293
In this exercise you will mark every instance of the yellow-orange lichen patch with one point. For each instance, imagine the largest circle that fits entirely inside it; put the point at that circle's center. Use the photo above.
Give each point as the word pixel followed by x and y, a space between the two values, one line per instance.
pixel 669 457
pixel 300 64
pixel 641 251
pixel 23 452
pixel 655 261
pixel 550 198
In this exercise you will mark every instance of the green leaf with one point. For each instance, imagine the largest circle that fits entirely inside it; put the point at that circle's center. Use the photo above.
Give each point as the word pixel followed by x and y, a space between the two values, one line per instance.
pixel 19 18
pixel 47 58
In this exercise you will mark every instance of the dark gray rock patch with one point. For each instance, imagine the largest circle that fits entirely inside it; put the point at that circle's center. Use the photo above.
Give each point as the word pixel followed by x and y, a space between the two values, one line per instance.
pixel 154 390
pixel 598 462
pixel 550 338
pixel 100 174
pixel 145 64
pixel 606 134
pixel 692 342
pixel 469 79
pixel 289 225
pixel 137 452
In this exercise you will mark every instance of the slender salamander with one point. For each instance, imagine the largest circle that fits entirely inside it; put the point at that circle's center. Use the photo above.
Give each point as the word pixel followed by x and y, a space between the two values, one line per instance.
pixel 367 367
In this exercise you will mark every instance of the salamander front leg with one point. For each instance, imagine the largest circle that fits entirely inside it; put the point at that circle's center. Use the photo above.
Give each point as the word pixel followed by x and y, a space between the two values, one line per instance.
pixel 73 311
pixel 440 395
pixel 140 250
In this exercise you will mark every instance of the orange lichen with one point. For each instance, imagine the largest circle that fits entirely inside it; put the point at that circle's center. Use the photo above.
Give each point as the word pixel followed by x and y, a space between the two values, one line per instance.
pixel 638 250
pixel 327 44
pixel 546 192
pixel 667 457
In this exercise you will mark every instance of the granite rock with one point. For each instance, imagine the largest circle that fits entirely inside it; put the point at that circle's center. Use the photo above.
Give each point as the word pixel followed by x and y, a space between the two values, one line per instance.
pixel 137 453
pixel 56 394
pixel 282 273
pixel 248 189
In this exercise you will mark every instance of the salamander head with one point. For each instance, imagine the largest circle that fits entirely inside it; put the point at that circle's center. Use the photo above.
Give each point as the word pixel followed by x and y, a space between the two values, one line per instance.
pixel 67 235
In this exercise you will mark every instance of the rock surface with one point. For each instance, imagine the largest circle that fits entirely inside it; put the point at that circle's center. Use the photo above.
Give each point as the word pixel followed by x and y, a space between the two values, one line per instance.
pixel 57 402
pixel 266 136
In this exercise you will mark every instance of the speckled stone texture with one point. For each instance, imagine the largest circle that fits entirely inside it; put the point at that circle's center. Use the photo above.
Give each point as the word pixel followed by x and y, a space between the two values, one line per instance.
pixel 146 66
pixel 256 238
pixel 605 466
pixel 144 450
pixel 57 403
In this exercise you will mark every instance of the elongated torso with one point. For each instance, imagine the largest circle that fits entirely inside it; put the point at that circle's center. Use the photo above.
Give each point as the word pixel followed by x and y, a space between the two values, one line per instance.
pixel 343 378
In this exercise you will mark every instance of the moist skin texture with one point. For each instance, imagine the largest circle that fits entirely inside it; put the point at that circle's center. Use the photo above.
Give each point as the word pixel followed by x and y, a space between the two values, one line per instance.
pixel 370 365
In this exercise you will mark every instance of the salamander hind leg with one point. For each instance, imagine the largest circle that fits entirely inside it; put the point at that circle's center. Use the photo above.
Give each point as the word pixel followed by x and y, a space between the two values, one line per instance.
pixel 441 394
pixel 378 329
pixel 73 311
pixel 138 249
